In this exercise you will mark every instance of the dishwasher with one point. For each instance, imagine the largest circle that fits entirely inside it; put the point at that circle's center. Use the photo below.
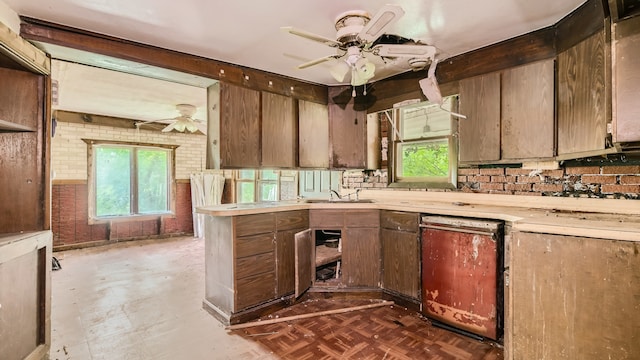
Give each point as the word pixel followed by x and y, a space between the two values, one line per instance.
pixel 462 269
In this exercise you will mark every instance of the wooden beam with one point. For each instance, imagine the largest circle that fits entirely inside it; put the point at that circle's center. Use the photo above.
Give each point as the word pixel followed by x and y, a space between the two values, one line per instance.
pixel 583 22
pixel 51 33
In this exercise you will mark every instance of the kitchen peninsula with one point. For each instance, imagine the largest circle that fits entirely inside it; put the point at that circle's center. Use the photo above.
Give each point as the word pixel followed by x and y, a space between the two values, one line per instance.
pixel 248 248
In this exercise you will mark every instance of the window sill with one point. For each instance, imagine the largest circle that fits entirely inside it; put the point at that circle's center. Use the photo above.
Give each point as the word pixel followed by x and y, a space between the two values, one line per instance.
pixel 132 218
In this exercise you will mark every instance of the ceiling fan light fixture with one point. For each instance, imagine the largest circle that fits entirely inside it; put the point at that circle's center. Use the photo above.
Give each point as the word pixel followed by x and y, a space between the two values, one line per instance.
pixel 339 70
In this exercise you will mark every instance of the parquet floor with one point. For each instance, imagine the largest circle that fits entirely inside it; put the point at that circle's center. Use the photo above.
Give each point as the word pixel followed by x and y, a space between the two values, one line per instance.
pixel 388 332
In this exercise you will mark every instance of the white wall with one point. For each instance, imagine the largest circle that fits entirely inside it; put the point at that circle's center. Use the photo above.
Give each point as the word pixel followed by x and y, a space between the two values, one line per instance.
pixel 69 152
pixel 9 17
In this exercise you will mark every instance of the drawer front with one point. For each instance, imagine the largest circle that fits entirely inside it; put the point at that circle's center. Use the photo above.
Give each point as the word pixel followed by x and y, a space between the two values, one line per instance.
pixel 400 220
pixel 253 245
pixel 289 220
pixel 254 224
pixel 362 218
pixel 255 265
pixel 254 290
pixel 326 219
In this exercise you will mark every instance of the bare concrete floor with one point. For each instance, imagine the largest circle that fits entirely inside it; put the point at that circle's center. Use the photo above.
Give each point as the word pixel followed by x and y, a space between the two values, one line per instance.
pixel 138 300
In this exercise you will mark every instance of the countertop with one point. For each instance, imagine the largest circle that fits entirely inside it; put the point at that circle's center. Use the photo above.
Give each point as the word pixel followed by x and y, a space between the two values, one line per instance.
pixel 595 218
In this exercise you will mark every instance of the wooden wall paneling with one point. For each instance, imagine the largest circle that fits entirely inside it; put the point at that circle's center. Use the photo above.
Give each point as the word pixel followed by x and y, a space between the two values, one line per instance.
pixel 313 135
pixel 361 257
pixel 575 297
pixel 626 80
pixel 347 132
pixel 582 122
pixel 528 113
pixel 479 133
pixel 401 262
pixel 239 127
pixel 100 44
pixel 279 131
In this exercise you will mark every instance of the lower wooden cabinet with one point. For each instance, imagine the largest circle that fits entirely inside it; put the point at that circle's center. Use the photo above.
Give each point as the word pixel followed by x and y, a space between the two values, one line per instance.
pixel 361 257
pixel 400 238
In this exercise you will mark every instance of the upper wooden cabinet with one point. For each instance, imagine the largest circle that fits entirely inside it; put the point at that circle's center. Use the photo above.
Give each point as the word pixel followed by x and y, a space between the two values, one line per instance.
pixel 480 132
pixel 582 113
pixel 239 127
pixel 347 131
pixel 313 138
pixel 528 110
pixel 279 131
pixel 510 115
pixel 626 81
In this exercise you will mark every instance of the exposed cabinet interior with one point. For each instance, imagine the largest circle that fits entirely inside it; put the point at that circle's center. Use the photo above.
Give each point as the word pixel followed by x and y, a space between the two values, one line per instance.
pixel 581 94
pixel 528 108
pixel 626 81
pixel 313 135
pixel 240 129
pixel 480 132
pixel 400 239
pixel 279 131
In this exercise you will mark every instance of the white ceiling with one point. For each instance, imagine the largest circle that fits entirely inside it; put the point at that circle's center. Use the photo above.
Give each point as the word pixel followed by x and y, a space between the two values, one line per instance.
pixel 248 32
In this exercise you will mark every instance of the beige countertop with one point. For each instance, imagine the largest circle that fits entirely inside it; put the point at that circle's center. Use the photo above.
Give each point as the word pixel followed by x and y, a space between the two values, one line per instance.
pixel 596 218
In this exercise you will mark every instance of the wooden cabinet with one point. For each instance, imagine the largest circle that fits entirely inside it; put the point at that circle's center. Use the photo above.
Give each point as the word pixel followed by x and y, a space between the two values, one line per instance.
pixel 480 132
pixel 239 127
pixel 504 110
pixel 626 81
pixel 249 260
pixel 581 95
pixel 313 130
pixel 573 297
pixel 279 131
pixel 400 238
pixel 347 132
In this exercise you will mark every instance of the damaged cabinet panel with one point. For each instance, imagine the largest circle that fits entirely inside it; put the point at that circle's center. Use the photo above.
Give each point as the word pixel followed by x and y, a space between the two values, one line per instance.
pixel 576 297
pixel 462 274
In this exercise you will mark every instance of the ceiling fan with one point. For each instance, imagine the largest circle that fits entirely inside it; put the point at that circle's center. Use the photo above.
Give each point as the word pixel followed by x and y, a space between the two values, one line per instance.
pixel 361 39
pixel 183 122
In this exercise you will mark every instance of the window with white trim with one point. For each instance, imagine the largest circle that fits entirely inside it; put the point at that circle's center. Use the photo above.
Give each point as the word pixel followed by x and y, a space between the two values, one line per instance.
pixel 129 180
pixel 425 148
pixel 265 185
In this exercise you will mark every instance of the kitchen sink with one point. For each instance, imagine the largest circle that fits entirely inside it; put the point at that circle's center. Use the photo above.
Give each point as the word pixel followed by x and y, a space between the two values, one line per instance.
pixel 338 201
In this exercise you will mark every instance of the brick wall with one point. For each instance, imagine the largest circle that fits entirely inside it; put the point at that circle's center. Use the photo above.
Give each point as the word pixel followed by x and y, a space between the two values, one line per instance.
pixel 69 196
pixel 615 182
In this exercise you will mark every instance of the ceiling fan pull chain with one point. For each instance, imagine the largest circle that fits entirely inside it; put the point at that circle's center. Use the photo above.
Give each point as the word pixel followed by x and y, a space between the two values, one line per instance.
pixel 353 92
pixel 365 89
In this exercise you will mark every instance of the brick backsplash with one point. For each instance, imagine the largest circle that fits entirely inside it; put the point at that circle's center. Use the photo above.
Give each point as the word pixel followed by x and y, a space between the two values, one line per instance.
pixel 614 182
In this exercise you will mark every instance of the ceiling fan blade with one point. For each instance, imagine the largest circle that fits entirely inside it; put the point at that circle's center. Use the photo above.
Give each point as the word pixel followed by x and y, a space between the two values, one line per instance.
pixel 384 18
pixel 170 127
pixel 201 126
pixel 317 61
pixel 405 50
pixel 310 36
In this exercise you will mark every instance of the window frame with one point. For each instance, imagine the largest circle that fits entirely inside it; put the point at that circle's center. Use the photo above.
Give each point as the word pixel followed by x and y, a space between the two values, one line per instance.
pixel 92 144
pixel 258 180
pixel 395 132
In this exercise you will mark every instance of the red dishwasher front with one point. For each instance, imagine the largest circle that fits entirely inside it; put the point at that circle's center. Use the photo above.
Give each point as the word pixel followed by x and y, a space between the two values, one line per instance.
pixel 462 271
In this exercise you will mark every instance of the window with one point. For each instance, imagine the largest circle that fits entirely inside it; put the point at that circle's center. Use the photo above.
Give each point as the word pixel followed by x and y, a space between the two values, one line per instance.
pixel 129 180
pixel 265 185
pixel 425 149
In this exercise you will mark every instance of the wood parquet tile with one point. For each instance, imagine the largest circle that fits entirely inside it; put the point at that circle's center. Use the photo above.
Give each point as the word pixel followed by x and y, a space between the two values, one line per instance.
pixel 389 333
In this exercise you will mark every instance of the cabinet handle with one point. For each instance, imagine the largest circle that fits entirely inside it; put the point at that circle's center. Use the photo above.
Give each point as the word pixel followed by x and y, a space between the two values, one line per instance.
pixel 447 228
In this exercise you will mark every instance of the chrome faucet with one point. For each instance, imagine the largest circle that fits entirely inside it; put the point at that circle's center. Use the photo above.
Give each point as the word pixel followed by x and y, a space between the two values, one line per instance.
pixel 331 192
pixel 354 193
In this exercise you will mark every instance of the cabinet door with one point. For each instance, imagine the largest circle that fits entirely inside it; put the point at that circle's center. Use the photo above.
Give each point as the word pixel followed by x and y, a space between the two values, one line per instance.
pixel 361 257
pixel 285 262
pixel 480 131
pixel 304 262
pixel 279 131
pixel 401 262
pixel 313 130
pixel 347 133
pixel 582 123
pixel 239 127
pixel 528 111
pixel 626 77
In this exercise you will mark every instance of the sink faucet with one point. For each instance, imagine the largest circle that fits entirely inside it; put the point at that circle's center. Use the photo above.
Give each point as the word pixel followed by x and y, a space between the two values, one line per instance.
pixel 354 193
pixel 331 192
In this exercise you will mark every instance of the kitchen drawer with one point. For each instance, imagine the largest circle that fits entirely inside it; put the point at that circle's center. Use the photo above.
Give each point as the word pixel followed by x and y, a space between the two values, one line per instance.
pixel 399 220
pixel 254 224
pixel 290 220
pixel 254 290
pixel 253 245
pixel 326 219
pixel 362 218
pixel 254 265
